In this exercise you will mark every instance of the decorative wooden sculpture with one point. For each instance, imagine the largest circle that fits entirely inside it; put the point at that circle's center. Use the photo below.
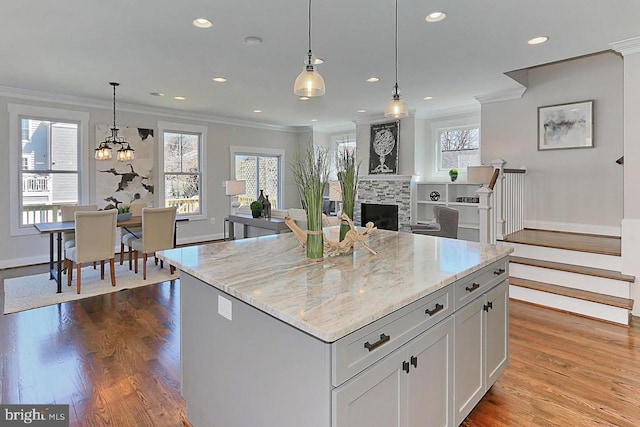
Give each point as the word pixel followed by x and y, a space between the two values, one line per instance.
pixel 336 248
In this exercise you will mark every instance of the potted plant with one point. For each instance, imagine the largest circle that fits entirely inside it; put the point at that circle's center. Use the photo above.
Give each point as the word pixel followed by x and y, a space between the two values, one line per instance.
pixel 453 174
pixel 256 209
pixel 124 213
pixel 311 173
pixel 348 178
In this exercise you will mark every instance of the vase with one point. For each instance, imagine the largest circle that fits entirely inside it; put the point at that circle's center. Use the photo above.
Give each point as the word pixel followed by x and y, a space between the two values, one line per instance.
pixel 262 200
pixel 453 178
pixel 267 207
pixel 315 238
pixel 256 214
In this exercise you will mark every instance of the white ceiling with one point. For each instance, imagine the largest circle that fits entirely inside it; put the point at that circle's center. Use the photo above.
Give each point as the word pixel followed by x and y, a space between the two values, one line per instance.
pixel 75 47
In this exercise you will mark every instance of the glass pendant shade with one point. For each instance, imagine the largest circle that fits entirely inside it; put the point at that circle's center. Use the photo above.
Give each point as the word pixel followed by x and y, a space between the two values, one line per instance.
pixel 309 83
pixel 396 107
pixel 103 152
pixel 125 154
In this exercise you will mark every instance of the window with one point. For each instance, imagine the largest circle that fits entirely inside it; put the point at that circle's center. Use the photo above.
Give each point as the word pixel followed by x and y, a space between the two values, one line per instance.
pixel 458 147
pixel 47 172
pixel 182 157
pixel 262 170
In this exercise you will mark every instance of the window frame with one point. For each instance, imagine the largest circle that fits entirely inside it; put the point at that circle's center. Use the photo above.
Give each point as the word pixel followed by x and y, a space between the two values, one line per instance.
pixel 174 127
pixel 235 150
pixel 17 112
pixel 472 121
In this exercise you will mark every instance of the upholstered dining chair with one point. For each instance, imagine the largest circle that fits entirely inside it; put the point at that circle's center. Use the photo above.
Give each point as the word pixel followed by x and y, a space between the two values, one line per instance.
pixel 95 234
pixel 158 231
pixel 446 224
pixel 131 233
pixel 68 214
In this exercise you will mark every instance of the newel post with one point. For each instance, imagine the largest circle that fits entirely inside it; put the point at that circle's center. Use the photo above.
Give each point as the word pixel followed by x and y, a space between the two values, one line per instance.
pixel 487 232
pixel 498 200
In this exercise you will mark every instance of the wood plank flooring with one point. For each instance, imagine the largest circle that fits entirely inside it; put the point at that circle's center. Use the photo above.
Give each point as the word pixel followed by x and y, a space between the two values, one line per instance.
pixel 115 359
pixel 607 245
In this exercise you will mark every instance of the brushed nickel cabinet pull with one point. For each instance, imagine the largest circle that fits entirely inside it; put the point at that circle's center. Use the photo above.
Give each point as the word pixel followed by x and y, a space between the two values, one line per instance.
pixel 383 339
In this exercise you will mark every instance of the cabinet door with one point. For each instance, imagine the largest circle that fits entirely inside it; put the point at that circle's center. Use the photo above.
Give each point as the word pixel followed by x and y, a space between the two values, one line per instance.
pixel 375 397
pixel 497 332
pixel 468 354
pixel 430 380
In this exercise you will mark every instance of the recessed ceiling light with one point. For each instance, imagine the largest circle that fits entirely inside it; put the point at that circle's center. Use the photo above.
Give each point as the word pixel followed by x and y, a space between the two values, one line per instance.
pixel 373 79
pixel 202 23
pixel 304 98
pixel 253 40
pixel 538 40
pixel 179 98
pixel 220 79
pixel 435 17
pixel 318 61
pixel 362 111
pixel 314 120
pixel 428 98
pixel 156 94
pixel 257 110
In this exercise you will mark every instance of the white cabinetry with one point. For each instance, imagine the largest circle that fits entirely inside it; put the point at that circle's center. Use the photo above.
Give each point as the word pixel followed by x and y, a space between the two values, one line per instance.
pixel 452 194
pixel 481 347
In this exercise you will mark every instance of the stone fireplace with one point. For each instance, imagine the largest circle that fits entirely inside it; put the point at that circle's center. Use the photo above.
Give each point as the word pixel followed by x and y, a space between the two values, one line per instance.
pixel 385 190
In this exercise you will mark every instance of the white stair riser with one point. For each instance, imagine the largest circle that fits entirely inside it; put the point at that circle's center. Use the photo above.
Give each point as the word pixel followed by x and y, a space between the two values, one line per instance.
pixel 601 285
pixel 585 308
pixel 587 259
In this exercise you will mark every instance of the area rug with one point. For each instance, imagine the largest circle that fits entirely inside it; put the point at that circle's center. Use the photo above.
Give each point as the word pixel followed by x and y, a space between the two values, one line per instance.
pixel 24 293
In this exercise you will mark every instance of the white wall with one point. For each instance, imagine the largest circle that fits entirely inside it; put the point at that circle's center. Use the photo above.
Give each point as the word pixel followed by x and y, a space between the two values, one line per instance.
pixel 35 248
pixel 578 186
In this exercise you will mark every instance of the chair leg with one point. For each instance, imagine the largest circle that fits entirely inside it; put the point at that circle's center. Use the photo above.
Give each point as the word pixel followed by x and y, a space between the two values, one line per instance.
pixel 161 264
pixel 130 259
pixel 101 269
pixel 121 253
pixel 112 268
pixel 69 264
pixel 144 266
pixel 172 269
pixel 79 266
pixel 156 260
pixel 135 255
pixel 94 265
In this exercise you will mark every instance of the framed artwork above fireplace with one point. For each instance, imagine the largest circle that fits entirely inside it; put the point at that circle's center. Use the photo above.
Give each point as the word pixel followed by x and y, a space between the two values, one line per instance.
pixel 383 149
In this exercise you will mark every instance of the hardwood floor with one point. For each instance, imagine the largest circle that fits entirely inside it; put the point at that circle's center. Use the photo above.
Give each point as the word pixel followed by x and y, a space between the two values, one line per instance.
pixel 115 359
pixel 607 245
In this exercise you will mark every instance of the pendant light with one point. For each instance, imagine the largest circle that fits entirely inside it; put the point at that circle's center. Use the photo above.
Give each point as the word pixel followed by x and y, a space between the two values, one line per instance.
pixel 104 150
pixel 396 107
pixel 309 82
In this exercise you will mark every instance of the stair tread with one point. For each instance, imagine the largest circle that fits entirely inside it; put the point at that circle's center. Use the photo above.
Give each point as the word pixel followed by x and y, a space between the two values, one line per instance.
pixel 571 268
pixel 572 293
pixel 598 244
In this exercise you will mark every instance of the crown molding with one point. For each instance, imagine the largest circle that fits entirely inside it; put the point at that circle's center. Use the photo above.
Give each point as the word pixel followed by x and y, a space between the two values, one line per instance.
pixel 335 129
pixel 77 101
pixel 627 47
pixel 503 95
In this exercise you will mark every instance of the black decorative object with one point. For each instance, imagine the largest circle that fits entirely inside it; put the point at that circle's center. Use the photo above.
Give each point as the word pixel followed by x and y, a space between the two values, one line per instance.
pixel 435 196
pixel 383 151
pixel 262 200
pixel 267 207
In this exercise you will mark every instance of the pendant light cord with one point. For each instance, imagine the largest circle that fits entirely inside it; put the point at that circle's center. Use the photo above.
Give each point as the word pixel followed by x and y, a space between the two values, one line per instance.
pixel 114 106
pixel 396 47
pixel 310 32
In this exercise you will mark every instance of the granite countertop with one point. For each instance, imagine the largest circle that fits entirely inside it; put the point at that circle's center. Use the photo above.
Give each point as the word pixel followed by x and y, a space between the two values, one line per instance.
pixel 333 297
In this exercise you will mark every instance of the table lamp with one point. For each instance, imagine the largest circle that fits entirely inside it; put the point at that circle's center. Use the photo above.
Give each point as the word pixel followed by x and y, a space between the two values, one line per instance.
pixel 335 194
pixel 234 188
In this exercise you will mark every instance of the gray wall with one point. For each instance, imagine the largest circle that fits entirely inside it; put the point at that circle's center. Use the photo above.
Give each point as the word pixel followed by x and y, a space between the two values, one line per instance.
pixel 20 250
pixel 575 189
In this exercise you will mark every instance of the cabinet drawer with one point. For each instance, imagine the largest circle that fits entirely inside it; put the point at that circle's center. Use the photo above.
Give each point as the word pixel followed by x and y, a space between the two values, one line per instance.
pixel 362 348
pixel 469 288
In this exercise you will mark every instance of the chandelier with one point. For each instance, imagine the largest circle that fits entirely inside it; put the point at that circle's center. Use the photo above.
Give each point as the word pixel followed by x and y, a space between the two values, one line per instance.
pixel 104 150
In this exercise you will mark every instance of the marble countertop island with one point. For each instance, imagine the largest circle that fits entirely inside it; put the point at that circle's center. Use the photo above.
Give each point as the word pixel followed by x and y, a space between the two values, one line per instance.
pixel 333 297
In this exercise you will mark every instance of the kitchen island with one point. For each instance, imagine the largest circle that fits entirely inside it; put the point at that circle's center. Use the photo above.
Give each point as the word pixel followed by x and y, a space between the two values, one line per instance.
pixel 413 336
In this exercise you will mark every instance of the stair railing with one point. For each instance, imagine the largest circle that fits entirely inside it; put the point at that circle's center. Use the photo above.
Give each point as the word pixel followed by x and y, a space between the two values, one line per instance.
pixel 509 200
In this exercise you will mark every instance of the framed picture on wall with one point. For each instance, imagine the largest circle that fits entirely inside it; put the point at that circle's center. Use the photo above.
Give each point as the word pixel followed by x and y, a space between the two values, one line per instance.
pixel 383 149
pixel 565 126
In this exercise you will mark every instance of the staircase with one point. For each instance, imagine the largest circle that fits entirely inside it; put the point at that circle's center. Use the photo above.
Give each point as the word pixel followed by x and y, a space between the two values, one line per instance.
pixel 572 272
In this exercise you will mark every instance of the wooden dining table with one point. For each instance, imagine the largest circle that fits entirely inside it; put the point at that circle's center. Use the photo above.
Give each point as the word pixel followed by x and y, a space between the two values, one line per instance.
pixel 55 230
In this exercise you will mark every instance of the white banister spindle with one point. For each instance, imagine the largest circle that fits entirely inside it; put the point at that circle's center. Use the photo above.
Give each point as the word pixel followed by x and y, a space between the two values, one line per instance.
pixel 511 195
